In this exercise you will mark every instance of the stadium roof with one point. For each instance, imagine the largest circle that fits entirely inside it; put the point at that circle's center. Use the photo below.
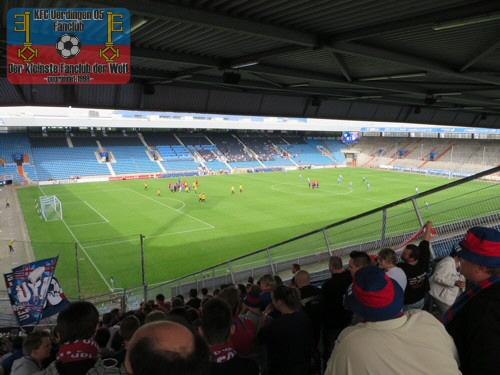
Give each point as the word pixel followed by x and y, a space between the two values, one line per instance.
pixel 412 61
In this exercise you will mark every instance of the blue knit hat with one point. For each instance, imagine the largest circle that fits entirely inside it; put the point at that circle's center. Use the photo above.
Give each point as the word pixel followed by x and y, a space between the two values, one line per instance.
pixel 481 246
pixel 375 297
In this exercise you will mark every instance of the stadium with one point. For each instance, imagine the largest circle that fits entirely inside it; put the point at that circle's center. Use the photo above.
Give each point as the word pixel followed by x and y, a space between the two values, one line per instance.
pixel 241 142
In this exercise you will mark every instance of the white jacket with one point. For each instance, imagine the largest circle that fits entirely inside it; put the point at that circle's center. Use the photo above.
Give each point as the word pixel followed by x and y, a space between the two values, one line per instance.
pixel 443 281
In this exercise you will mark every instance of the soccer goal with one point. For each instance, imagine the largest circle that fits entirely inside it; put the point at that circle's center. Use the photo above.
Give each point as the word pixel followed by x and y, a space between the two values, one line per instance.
pixel 51 208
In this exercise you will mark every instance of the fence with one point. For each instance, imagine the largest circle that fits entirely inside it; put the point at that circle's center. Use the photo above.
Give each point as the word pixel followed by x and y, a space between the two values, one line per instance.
pixel 452 208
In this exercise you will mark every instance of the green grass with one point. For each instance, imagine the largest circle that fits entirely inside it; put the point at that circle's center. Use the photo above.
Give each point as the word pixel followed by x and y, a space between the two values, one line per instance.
pixel 183 235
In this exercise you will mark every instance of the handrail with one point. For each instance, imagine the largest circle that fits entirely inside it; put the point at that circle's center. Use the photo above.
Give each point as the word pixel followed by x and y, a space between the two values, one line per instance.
pixel 338 223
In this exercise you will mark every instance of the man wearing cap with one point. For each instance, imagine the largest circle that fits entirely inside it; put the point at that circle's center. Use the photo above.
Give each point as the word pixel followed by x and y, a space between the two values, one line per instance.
pixel 474 319
pixel 390 341
pixel 251 306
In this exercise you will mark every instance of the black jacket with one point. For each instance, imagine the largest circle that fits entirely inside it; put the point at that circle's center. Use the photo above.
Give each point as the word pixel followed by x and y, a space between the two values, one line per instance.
pixel 476 332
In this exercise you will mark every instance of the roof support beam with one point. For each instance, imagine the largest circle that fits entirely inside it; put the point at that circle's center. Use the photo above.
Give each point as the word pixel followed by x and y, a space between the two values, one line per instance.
pixel 416 62
pixel 265 54
pixel 169 11
pixel 339 59
pixel 481 55
pixel 424 19
pixel 176 57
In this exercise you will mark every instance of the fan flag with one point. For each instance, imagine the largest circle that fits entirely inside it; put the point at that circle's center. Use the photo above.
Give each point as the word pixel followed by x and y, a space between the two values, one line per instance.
pixel 34 292
pixel 68 46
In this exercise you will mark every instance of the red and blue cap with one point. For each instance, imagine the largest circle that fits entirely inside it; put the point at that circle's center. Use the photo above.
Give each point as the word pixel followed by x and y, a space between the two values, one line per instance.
pixel 375 297
pixel 252 299
pixel 481 246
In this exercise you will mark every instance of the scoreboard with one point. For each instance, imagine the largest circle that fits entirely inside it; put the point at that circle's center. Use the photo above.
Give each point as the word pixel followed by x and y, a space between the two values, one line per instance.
pixel 350 137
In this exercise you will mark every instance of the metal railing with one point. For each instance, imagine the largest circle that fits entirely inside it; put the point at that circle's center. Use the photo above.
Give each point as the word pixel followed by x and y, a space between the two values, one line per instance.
pixel 452 208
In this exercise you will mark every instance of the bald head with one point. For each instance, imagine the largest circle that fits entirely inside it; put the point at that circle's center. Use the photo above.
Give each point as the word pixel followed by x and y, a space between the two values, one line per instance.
pixel 302 278
pixel 166 347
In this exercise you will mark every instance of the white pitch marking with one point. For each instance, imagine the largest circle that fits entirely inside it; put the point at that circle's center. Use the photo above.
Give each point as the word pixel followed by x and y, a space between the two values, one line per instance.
pixel 175 209
pixel 82 225
pixel 107 221
pixel 88 256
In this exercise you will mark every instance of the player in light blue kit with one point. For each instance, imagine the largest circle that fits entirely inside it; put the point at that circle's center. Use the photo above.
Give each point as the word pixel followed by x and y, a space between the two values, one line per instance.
pixel 368 186
pixel 350 185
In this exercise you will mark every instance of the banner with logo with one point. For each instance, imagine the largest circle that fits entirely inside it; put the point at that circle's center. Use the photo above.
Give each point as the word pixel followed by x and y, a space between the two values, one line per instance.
pixel 34 293
pixel 68 45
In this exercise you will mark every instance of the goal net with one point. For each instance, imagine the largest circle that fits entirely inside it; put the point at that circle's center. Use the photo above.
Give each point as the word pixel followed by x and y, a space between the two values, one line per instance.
pixel 51 208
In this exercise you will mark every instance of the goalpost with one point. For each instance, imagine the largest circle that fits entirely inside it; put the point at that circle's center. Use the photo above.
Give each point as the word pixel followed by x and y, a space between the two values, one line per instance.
pixel 51 208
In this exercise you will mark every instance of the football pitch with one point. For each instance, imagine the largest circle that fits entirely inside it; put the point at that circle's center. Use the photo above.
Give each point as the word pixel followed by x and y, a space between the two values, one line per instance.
pixel 183 235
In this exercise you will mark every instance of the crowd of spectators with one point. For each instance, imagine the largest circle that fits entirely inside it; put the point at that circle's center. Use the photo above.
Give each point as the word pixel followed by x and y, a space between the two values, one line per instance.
pixel 375 317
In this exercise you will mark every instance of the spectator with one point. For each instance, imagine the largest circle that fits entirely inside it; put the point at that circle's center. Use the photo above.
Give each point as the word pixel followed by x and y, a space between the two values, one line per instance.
pixel 36 347
pixel 243 291
pixel 155 316
pixel 106 320
pixel 160 301
pixel 193 301
pixel 127 329
pixel 289 337
pixel 267 283
pixel 250 308
pixel 216 327
pixel 335 316
pixel 295 269
pixel 387 260
pixel 243 337
pixel 177 303
pixel 474 319
pixel 166 348
pixel 278 280
pixel 17 352
pixel 358 260
pixel 389 341
pixel 102 336
pixel 415 266
pixel 204 292
pixel 78 353
pixel 310 298
pixel 446 281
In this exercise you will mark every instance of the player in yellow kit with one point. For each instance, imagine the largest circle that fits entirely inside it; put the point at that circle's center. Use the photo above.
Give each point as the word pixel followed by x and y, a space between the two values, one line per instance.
pixel 158 193
pixel 241 188
pixel 232 189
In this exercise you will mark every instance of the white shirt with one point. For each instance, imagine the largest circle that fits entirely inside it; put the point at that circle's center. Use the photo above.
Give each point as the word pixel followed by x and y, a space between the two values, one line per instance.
pixel 398 275
pixel 413 344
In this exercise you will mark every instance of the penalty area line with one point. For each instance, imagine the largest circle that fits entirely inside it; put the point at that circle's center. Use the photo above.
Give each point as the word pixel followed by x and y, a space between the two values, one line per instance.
pixel 78 242
pixel 179 211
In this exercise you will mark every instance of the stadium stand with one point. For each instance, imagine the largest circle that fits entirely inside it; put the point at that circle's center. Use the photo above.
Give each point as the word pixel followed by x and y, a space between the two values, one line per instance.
pixel 458 155
pixel 302 153
pixel 236 154
pixel 13 144
pixel 265 148
pixel 160 138
pixel 66 162
pixel 332 146
pixel 84 141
